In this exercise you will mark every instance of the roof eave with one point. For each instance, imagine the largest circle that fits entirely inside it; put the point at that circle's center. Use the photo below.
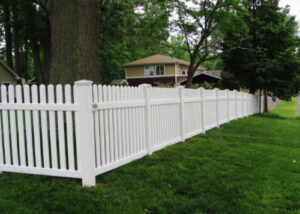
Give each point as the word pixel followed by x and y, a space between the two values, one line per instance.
pixel 10 70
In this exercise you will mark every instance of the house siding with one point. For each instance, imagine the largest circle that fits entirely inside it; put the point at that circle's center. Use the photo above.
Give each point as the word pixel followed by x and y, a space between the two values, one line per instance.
pixel 138 71
pixel 170 69
pixel 6 76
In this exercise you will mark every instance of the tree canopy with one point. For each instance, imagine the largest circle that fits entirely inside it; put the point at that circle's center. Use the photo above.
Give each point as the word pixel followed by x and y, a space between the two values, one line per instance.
pixel 254 41
pixel 265 56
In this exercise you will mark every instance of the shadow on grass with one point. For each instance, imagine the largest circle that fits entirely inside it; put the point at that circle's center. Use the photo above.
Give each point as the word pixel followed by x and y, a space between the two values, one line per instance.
pixel 274 116
pixel 277 117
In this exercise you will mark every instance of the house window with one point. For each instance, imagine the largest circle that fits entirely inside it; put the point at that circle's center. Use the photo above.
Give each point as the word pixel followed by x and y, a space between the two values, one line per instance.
pixel 149 71
pixel 157 70
pixel 183 73
pixel 160 70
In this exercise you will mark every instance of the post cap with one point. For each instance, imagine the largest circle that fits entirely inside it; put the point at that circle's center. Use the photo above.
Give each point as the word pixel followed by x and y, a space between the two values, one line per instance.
pixel 145 85
pixel 83 83
pixel 179 86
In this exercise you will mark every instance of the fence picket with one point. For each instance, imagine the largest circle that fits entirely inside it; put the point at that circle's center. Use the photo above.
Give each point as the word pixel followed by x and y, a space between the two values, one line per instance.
pixel 119 134
pixel 102 145
pixel 52 124
pixel 5 126
pixel 61 129
pixel 28 127
pixel 114 124
pixel 2 160
pixel 69 121
pixel 36 128
pixel 106 125
pixel 96 126
pixel 13 130
pixel 44 126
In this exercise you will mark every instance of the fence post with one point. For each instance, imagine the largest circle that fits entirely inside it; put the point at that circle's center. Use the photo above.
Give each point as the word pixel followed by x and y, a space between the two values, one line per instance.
pixel 85 133
pixel 202 108
pixel 146 89
pixel 217 107
pixel 235 95
pixel 182 113
pixel 243 98
pixel 227 103
pixel 248 102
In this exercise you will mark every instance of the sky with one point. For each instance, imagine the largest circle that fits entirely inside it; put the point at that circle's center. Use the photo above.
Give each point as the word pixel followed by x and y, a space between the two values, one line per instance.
pixel 294 7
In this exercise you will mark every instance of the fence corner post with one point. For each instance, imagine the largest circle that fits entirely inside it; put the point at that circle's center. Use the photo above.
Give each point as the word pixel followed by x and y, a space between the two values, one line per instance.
pixel 146 89
pixel 202 109
pixel 182 111
pixel 217 107
pixel 84 132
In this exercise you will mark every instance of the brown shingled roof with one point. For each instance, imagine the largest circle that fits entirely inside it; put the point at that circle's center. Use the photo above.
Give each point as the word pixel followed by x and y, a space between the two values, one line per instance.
pixel 157 59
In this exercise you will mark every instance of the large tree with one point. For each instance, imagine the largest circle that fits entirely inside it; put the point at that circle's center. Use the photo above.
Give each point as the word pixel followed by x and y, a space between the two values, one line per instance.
pixel 74 40
pixel 265 57
pixel 200 23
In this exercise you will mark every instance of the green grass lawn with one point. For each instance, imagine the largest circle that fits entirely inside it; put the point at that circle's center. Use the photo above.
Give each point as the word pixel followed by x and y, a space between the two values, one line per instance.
pixel 250 165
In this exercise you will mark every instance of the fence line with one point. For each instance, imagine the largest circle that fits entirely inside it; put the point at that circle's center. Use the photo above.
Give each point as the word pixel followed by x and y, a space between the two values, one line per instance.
pixel 86 130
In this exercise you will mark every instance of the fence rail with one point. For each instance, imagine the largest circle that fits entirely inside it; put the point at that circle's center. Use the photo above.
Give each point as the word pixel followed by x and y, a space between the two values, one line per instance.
pixel 84 130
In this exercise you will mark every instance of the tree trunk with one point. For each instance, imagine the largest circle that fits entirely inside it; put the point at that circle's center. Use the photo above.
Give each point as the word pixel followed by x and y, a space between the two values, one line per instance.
pixel 8 36
pixel 47 57
pixel 74 41
pixel 16 37
pixel 265 101
pixel 38 70
pixel 191 72
pixel 189 80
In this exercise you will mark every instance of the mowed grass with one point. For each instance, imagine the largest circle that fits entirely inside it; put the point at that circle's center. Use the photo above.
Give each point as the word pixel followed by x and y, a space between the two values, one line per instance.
pixel 250 165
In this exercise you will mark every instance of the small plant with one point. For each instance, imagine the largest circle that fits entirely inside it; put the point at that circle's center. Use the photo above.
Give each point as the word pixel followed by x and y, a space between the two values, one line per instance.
pixel 195 86
pixel 207 85
pixel 164 85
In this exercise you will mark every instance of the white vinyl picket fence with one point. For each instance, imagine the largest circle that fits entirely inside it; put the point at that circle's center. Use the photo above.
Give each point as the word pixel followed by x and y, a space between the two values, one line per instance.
pixel 84 130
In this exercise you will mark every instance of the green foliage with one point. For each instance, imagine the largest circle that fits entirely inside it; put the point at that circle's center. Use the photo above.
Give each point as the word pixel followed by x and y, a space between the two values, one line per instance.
pixel 130 30
pixel 26 34
pixel 246 166
pixel 178 47
pixel 202 24
pixel 212 64
pixel 164 85
pixel 264 56
pixel 207 85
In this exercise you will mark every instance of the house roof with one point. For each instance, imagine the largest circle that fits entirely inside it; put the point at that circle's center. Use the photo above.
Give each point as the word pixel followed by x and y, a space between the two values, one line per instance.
pixel 157 59
pixel 213 73
pixel 9 70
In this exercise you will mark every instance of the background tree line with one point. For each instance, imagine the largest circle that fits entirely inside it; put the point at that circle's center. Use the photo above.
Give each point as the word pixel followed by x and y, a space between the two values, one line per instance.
pixel 254 42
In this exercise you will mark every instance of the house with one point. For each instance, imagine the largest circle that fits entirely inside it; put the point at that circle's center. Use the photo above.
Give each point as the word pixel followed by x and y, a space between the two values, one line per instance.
pixel 212 77
pixel 157 68
pixel 7 75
